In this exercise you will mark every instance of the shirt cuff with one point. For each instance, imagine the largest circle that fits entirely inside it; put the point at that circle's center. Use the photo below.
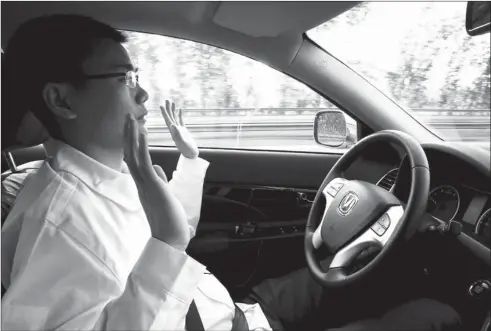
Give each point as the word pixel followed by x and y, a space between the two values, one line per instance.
pixel 193 167
pixel 170 269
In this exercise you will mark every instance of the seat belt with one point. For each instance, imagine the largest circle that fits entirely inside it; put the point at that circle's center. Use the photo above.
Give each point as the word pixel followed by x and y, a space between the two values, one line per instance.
pixel 194 322
pixel 240 322
pixel 193 319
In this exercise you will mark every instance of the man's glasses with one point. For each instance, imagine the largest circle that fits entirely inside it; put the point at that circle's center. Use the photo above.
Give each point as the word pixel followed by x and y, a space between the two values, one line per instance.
pixel 131 77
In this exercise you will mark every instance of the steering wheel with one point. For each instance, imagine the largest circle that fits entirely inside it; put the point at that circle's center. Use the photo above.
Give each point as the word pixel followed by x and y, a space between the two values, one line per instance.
pixel 355 214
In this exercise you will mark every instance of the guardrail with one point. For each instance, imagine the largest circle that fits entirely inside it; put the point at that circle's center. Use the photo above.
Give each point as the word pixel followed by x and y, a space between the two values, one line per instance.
pixel 241 127
pixel 300 111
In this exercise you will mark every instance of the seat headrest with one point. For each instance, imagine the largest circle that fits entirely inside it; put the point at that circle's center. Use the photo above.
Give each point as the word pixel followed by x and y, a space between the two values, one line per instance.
pixel 31 131
pixel 20 128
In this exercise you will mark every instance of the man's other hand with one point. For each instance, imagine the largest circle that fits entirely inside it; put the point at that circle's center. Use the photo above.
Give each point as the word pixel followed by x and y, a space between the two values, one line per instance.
pixel 184 141
pixel 165 214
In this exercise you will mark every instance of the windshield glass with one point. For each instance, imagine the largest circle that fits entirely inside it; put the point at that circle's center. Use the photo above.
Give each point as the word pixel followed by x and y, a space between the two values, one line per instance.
pixel 419 54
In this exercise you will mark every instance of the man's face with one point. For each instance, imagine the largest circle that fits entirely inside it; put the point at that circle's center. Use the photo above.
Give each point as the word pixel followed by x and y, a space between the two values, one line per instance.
pixel 102 105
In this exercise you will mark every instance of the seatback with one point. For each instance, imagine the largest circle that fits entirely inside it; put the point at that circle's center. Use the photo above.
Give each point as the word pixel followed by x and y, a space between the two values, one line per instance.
pixel 13 183
pixel 20 129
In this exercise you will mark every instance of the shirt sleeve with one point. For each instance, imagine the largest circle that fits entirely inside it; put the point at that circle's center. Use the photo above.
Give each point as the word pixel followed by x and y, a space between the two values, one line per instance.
pixel 187 185
pixel 58 284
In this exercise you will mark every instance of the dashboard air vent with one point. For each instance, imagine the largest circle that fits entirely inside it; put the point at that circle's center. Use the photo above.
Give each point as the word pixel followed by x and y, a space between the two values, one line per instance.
pixel 389 179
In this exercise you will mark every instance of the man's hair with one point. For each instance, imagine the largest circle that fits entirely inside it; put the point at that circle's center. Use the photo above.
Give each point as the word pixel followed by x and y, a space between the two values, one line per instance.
pixel 50 49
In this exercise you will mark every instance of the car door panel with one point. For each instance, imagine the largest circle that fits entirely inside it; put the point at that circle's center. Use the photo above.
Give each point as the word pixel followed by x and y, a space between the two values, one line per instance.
pixel 252 213
pixel 255 207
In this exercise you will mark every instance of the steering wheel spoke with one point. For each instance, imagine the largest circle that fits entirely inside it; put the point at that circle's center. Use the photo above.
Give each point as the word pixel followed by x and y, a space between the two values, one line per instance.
pixel 329 193
pixel 377 235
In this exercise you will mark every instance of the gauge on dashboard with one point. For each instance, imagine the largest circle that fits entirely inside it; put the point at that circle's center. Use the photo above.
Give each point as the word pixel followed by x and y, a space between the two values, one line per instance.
pixel 444 202
pixel 483 226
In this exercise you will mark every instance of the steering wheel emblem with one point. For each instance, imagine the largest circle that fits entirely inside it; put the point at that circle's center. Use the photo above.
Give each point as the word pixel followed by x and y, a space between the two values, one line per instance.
pixel 348 203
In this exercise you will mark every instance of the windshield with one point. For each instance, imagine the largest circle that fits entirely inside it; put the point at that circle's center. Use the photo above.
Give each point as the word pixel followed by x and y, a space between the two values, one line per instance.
pixel 419 54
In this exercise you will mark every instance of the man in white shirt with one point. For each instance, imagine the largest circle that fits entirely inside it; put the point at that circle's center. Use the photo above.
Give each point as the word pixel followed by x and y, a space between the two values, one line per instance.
pixel 97 238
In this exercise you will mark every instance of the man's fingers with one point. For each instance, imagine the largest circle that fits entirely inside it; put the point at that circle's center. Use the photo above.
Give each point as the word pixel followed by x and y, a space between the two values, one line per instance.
pixel 134 141
pixel 131 149
pixel 168 108
pixel 174 113
pixel 167 120
pixel 172 116
pixel 126 139
pixel 144 154
pixel 160 172
pixel 181 120
pixel 130 141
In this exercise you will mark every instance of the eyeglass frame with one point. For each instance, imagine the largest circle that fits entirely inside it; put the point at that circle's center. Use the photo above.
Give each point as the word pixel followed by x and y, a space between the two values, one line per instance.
pixel 113 75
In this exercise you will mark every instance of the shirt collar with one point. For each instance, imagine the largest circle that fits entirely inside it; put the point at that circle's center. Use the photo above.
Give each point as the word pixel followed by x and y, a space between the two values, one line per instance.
pixel 116 186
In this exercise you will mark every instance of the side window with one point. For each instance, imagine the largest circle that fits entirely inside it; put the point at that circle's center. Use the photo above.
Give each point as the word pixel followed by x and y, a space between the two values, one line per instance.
pixel 228 100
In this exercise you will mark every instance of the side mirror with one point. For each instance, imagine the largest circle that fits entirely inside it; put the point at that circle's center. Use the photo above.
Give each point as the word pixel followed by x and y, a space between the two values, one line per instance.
pixel 477 18
pixel 330 128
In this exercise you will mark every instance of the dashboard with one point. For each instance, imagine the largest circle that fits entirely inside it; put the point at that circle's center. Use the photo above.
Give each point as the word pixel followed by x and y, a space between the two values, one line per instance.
pixel 460 190
pixel 467 205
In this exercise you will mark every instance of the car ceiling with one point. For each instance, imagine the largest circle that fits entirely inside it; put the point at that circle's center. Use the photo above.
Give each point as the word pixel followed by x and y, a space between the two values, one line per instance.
pixel 270 32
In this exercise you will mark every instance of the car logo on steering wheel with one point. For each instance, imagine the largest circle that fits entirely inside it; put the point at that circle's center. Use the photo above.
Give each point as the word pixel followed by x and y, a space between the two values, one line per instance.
pixel 347 204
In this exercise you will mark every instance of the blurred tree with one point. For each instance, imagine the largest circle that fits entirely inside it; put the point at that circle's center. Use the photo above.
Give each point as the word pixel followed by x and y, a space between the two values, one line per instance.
pixel 357 14
pixel 438 67
pixel 481 93
pixel 179 92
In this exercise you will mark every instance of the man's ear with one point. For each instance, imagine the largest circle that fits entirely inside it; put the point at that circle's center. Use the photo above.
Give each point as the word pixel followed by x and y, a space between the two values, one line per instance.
pixel 56 96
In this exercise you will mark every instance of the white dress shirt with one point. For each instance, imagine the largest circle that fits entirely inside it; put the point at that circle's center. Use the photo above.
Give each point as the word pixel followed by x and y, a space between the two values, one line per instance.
pixel 77 254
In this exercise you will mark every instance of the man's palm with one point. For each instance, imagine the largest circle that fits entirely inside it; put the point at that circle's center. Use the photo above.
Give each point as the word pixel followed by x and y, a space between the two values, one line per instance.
pixel 183 139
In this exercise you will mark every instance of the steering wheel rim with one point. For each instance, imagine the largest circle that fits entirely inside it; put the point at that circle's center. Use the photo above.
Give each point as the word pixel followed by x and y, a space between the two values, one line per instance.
pixel 341 233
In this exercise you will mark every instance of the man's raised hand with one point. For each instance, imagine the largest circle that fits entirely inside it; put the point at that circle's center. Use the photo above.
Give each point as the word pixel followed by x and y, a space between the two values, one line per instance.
pixel 183 139
pixel 165 213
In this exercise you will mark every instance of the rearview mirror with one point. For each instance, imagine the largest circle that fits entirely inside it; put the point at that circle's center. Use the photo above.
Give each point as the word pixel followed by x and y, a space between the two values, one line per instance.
pixel 477 18
pixel 330 128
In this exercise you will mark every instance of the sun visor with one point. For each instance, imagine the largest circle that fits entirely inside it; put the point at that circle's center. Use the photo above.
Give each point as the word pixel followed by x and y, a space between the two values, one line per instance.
pixel 271 19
